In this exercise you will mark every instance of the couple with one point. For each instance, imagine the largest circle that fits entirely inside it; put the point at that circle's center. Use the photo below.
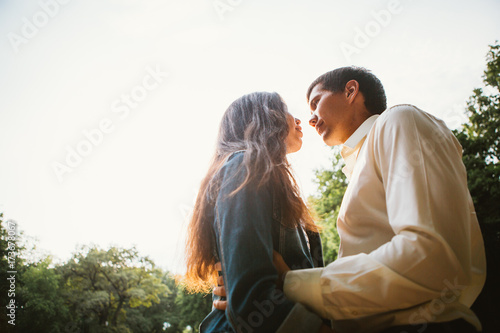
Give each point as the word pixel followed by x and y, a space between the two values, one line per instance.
pixel 411 253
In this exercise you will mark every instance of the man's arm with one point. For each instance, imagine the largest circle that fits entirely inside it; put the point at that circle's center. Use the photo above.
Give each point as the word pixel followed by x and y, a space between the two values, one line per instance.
pixel 282 269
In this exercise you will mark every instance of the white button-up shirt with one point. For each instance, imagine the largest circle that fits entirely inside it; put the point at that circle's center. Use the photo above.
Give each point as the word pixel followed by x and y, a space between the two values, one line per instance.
pixel 411 251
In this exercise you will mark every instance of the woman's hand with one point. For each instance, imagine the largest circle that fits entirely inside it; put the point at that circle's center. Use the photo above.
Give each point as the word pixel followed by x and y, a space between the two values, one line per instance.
pixel 220 290
pixel 281 267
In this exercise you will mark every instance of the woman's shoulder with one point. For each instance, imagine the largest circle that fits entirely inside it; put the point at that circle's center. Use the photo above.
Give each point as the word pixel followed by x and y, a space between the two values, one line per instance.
pixel 235 158
pixel 233 164
pixel 236 173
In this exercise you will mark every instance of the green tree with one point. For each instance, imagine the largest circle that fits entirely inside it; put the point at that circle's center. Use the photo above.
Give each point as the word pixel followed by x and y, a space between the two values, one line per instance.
pixel 113 290
pixel 176 311
pixel 160 317
pixel 41 298
pixel 332 184
pixel 191 308
pixel 102 284
pixel 480 138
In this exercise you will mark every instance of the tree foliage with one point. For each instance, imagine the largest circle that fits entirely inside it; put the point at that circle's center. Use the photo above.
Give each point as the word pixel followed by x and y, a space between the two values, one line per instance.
pixel 43 304
pixel 480 138
pixel 102 284
pixel 190 308
pixel 96 290
pixel 332 184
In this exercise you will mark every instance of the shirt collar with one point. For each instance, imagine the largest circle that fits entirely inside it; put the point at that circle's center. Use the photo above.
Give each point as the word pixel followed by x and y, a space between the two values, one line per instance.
pixel 360 132
pixel 353 145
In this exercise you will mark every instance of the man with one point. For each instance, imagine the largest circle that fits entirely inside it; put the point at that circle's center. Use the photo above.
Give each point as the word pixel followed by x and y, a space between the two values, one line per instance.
pixel 411 255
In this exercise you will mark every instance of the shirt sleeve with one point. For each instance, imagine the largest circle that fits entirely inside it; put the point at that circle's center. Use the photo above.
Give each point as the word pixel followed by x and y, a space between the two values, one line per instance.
pixel 243 228
pixel 418 161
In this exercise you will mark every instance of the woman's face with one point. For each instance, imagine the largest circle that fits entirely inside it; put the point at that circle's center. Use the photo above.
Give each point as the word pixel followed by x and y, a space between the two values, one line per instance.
pixel 294 139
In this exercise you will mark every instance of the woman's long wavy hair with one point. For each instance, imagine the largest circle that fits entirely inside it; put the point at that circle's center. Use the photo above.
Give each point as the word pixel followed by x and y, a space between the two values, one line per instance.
pixel 256 123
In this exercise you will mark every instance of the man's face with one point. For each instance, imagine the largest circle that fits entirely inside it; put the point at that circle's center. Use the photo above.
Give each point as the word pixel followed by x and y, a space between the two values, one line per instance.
pixel 330 115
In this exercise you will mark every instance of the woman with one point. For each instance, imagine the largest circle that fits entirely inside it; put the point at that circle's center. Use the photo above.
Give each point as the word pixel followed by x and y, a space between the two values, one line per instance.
pixel 249 204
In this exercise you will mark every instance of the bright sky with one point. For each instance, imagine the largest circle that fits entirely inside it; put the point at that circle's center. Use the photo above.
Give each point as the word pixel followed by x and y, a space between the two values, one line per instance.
pixel 110 108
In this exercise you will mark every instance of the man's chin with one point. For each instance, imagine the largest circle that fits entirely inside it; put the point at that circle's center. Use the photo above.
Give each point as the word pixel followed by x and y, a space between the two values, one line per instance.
pixel 329 141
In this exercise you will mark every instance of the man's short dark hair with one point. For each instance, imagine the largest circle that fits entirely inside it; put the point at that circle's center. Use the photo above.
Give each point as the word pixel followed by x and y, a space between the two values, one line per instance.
pixel 369 85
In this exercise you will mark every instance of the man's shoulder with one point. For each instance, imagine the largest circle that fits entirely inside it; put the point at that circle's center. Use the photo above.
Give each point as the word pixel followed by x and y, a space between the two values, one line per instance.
pixel 410 124
pixel 403 115
pixel 400 111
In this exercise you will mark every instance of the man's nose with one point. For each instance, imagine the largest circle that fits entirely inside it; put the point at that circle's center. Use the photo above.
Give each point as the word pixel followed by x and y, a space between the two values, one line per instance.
pixel 313 120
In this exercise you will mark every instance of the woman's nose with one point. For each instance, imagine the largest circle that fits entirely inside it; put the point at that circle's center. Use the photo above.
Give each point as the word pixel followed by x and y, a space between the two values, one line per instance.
pixel 313 120
pixel 297 121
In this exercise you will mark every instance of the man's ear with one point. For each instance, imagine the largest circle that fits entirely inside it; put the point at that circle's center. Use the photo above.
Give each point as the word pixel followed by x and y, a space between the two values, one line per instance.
pixel 351 90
